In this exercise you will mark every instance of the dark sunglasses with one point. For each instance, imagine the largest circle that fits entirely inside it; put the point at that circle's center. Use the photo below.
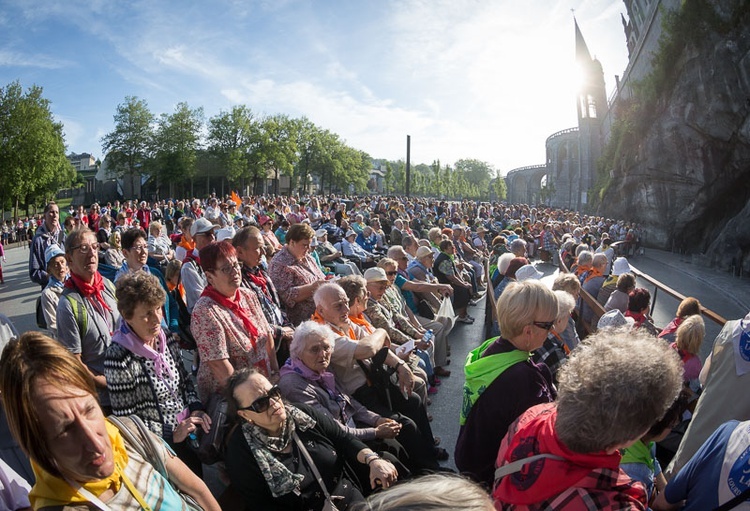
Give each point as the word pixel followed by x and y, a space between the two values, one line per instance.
pixel 261 404
pixel 546 325
pixel 391 273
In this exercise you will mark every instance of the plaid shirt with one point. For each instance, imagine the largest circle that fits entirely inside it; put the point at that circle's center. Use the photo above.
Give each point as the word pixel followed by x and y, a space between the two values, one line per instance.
pixel 552 354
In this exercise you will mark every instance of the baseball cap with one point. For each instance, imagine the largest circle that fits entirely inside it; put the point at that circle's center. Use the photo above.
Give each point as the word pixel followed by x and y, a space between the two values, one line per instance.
pixel 614 319
pixel 52 252
pixel 620 266
pixel 263 219
pixel 202 225
pixel 227 233
pixel 350 233
pixel 320 233
pixel 528 272
pixel 375 275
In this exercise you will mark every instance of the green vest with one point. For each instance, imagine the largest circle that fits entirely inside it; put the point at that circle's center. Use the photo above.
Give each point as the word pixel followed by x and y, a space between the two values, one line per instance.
pixel 481 372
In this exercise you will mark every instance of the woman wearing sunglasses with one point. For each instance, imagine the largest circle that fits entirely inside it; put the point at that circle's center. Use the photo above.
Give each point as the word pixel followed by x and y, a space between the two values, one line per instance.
pixel 289 457
pixel 502 381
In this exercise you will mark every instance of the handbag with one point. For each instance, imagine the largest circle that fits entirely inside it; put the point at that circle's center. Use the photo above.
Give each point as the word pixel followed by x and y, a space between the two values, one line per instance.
pixel 144 445
pixel 329 505
pixel 211 445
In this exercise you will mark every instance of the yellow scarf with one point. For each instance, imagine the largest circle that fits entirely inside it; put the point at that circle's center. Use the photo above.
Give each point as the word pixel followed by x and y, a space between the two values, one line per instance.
pixel 51 490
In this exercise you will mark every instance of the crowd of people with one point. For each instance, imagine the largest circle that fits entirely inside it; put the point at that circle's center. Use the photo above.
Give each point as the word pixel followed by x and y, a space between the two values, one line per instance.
pixel 323 323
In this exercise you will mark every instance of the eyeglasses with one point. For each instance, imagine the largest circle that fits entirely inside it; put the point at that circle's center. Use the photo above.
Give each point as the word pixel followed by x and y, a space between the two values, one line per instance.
pixel 230 268
pixel 85 249
pixel 391 273
pixel 545 325
pixel 261 404
pixel 139 248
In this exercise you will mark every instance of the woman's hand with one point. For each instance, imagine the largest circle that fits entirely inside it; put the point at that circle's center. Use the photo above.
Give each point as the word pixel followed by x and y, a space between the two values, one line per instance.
pixel 387 428
pixel 405 379
pixel 383 473
pixel 190 425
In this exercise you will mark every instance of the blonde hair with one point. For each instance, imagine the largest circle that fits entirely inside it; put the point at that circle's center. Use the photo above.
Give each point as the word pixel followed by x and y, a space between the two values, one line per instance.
pixel 567 282
pixel 521 304
pixel 434 492
pixel 690 334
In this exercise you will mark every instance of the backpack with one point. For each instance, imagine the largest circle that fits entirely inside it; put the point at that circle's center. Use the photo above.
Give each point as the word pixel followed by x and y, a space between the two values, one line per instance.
pixel 79 311
pixel 40 321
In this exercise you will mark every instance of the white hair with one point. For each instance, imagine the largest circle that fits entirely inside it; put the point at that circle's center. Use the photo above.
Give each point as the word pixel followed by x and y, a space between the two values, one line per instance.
pixel 306 331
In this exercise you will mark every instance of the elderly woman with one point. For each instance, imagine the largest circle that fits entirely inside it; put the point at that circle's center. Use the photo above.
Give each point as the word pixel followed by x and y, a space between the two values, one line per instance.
pixel 114 256
pixel 446 271
pixel 501 380
pixel 639 302
pixel 688 307
pixel 554 352
pixel 295 273
pixel 613 388
pixel 228 323
pixel 80 459
pixel 274 455
pixel 272 244
pixel 144 369
pixel 305 379
pixel 434 492
pixel 570 284
pixel 159 245
pixel 57 269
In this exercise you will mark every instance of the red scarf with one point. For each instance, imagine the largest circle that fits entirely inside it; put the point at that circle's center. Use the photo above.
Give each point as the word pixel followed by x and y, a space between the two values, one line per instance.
pixel 637 316
pixel 89 290
pixel 233 305
pixel 542 479
pixel 259 280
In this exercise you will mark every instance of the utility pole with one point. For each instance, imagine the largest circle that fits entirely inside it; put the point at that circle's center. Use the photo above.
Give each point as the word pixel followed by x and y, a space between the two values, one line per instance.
pixel 408 164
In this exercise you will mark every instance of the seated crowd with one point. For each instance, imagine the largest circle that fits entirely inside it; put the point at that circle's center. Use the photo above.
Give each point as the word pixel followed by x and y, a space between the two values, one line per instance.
pixel 323 324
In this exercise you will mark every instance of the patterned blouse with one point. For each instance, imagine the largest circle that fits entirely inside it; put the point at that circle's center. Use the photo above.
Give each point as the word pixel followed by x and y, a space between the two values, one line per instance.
pixel 221 335
pixel 288 274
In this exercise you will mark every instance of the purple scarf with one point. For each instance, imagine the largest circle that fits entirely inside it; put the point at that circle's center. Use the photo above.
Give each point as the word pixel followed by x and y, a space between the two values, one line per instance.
pixel 326 379
pixel 126 338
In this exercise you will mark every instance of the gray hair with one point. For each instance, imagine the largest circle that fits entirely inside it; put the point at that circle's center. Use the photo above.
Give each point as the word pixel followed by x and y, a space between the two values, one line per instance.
pixel 565 303
pixel 599 259
pixel 585 257
pixel 613 388
pixel 518 247
pixel 309 330
pixel 395 251
pixel 323 291
pixel 434 492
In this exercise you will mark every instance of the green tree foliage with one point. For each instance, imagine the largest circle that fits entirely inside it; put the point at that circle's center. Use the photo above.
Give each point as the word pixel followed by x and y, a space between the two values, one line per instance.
pixel 176 143
pixel 477 175
pixel 230 137
pixel 500 187
pixel 32 148
pixel 276 150
pixel 128 146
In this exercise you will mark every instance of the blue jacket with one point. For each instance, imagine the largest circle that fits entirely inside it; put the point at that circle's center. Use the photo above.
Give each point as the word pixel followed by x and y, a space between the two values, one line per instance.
pixel 42 240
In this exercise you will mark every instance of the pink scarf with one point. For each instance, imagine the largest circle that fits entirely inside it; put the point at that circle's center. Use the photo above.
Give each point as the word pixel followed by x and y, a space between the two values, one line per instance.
pixel 295 365
pixel 126 338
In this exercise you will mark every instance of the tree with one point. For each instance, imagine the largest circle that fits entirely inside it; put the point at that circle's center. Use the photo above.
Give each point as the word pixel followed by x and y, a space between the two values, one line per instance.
pixel 476 173
pixel 32 148
pixel 128 146
pixel 176 142
pixel 230 137
pixel 276 150
pixel 500 187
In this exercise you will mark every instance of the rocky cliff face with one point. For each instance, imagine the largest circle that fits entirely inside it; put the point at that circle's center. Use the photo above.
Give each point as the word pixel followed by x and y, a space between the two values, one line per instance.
pixel 686 177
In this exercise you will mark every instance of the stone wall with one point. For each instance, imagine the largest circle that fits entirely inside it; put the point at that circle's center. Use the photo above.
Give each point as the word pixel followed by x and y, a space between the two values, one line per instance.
pixel 686 177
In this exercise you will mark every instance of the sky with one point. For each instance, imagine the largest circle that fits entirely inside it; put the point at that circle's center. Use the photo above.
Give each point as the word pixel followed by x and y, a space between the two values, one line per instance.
pixel 482 79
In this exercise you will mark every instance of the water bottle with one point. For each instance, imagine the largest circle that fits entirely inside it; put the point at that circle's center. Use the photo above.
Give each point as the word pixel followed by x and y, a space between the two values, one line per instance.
pixel 428 336
pixel 193 440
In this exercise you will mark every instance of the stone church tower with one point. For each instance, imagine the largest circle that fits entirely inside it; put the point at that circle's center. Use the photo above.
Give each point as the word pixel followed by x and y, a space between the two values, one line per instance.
pixel 592 108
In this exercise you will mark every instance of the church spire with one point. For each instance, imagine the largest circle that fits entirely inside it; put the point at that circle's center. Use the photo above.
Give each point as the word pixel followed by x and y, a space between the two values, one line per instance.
pixel 582 51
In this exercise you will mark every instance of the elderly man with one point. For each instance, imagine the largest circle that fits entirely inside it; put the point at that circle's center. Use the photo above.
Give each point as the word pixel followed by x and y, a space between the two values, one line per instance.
pixel 331 257
pixel 410 245
pixel 49 233
pixel 249 245
pixel 194 281
pixel 408 287
pixel 87 311
pixel 397 236
pixel 353 250
pixel 353 351
pixel 592 284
